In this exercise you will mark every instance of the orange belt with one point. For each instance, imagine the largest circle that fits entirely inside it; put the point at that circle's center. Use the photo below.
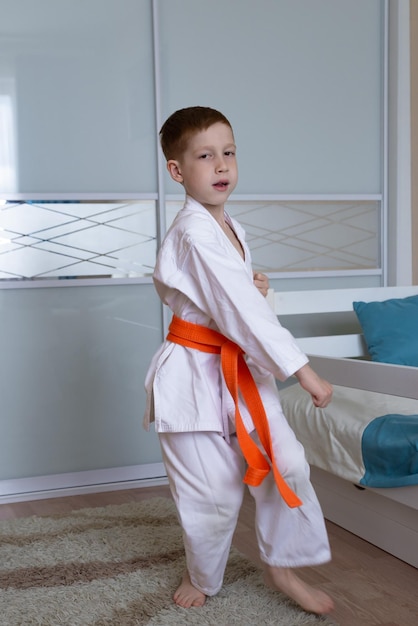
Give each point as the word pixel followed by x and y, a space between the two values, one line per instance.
pixel 238 378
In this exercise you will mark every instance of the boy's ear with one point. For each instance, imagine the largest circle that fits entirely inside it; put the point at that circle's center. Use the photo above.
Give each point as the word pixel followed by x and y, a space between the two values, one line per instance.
pixel 173 168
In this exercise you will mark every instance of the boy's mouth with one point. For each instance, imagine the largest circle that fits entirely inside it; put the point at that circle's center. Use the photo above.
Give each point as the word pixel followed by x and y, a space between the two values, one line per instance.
pixel 221 185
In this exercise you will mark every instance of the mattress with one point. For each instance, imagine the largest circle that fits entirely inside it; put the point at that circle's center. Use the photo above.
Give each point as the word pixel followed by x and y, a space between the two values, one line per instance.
pixel 368 438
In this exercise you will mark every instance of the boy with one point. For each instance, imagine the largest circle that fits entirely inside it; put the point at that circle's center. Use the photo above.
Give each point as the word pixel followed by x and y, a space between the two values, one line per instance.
pixel 209 435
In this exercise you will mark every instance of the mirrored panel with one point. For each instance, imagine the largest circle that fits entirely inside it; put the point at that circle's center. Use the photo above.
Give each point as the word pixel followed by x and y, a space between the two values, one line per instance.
pixel 299 80
pixel 76 97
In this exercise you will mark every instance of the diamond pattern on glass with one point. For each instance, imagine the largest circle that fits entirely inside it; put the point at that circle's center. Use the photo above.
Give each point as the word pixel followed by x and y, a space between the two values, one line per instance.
pixel 77 239
pixel 312 235
pixel 103 239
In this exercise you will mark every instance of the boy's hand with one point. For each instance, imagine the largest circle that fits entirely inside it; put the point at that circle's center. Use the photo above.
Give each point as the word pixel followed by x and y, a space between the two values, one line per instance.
pixel 261 281
pixel 319 388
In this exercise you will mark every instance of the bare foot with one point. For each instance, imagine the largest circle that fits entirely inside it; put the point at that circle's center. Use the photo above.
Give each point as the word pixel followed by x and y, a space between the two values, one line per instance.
pixel 310 599
pixel 187 595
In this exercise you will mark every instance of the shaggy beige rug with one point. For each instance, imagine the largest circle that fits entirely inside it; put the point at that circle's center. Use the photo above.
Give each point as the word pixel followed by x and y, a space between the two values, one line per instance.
pixel 118 566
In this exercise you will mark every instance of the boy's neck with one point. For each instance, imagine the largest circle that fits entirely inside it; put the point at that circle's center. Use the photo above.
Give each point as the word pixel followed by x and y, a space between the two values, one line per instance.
pixel 218 215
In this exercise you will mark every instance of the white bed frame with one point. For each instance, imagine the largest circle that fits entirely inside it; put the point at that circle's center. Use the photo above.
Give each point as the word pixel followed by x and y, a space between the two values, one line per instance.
pixel 387 518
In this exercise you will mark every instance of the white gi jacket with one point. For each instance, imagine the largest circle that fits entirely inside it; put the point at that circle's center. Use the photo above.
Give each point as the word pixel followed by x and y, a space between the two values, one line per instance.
pixel 202 278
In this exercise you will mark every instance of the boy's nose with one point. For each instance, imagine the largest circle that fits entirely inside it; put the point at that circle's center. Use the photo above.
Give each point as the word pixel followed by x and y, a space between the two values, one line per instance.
pixel 221 165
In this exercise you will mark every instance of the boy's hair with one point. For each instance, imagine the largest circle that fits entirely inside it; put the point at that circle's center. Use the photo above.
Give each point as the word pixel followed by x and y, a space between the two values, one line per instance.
pixel 183 124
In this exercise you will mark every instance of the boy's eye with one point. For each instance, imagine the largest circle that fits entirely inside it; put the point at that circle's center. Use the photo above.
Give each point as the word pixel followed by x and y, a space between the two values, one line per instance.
pixel 204 156
pixel 229 153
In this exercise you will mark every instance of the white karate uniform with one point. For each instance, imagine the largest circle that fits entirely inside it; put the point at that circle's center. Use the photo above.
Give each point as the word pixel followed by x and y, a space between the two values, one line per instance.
pixel 203 279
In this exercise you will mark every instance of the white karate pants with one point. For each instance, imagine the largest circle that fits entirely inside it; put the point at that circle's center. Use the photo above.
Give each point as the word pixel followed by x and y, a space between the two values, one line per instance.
pixel 205 474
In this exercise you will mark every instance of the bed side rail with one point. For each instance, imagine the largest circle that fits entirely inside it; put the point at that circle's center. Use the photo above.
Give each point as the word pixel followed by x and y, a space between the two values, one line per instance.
pixel 332 300
pixel 396 380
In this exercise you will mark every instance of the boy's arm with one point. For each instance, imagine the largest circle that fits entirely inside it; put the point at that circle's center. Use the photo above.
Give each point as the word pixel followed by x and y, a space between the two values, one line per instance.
pixel 203 268
pixel 319 388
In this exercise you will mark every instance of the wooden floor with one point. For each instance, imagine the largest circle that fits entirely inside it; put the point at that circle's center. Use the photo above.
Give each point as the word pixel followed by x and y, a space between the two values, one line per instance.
pixel 370 588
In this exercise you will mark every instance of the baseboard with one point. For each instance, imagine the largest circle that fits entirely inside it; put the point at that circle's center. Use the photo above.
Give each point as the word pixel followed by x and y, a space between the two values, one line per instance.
pixel 77 483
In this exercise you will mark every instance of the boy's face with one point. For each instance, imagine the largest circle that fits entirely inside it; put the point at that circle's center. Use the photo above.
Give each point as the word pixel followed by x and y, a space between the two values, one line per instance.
pixel 208 168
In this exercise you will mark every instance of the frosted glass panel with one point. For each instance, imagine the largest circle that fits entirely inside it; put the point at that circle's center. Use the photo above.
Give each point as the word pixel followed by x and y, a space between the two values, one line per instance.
pixel 77 239
pixel 300 80
pixel 76 87
pixel 72 378
pixel 330 235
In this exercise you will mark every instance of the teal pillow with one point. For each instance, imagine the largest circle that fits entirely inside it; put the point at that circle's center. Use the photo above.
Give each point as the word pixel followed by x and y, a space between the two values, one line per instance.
pixel 390 329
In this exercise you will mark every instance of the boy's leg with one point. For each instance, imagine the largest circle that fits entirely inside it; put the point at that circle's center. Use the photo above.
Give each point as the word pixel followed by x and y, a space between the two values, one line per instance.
pixel 290 538
pixel 205 475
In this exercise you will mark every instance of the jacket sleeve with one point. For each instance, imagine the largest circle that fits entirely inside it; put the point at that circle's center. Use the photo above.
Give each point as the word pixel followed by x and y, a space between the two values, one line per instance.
pixel 219 284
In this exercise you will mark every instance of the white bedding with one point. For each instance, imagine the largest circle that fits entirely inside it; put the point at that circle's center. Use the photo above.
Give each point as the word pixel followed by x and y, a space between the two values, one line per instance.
pixel 333 437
